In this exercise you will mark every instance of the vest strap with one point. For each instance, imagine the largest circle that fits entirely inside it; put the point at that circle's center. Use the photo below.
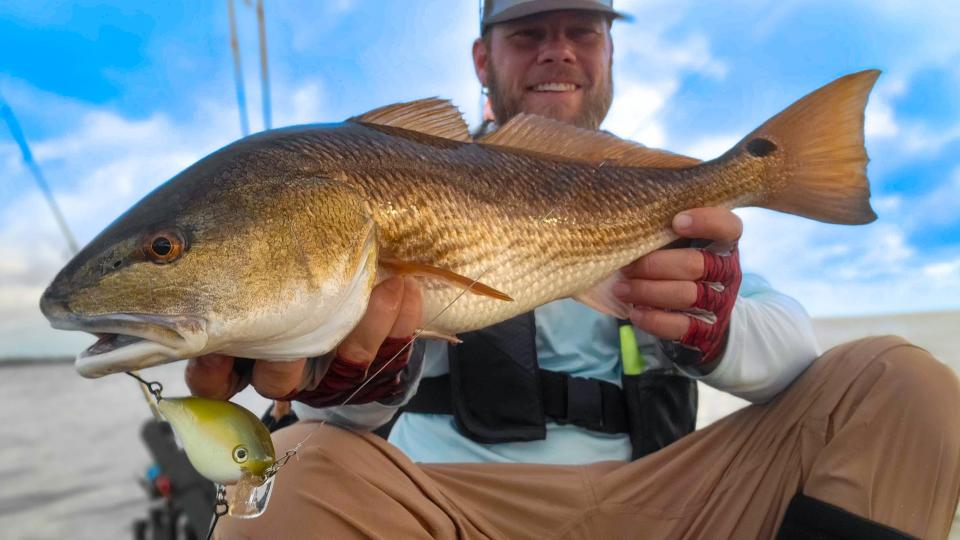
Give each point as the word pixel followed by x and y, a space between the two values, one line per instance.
pixel 588 403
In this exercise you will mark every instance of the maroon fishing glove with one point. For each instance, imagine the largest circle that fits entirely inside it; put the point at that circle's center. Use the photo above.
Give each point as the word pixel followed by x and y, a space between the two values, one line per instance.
pixel 717 290
pixel 375 382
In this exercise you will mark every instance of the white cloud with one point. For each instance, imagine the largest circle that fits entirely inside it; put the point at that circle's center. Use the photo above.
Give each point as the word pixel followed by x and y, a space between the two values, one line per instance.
pixel 847 270
pixel 852 270
pixel 918 139
pixel 941 206
pixel 633 114
pixel 923 26
pixel 305 106
pixel 887 204
pixel 649 67
pixel 943 270
pixel 710 147
pixel 308 23
pixel 880 121
pixel 656 44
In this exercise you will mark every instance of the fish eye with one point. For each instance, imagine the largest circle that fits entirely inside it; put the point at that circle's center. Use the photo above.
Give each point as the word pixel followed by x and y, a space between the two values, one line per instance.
pixel 163 247
pixel 240 454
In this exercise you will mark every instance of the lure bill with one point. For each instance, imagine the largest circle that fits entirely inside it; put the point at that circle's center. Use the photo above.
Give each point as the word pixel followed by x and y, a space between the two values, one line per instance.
pixel 250 496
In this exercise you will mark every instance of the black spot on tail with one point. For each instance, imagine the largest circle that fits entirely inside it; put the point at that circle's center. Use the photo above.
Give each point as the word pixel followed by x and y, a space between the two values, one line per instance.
pixel 761 147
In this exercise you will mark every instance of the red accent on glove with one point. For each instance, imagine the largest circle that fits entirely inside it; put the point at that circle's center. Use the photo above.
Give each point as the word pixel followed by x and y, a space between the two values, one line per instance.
pixel 344 376
pixel 711 339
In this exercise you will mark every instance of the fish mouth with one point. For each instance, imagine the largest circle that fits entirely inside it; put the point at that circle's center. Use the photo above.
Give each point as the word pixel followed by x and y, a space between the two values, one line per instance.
pixel 128 342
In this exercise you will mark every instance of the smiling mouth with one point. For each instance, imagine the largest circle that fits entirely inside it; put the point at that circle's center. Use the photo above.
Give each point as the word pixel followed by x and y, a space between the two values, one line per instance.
pixel 556 87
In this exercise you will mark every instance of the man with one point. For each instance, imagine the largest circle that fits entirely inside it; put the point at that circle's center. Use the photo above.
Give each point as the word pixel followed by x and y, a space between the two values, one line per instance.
pixel 860 445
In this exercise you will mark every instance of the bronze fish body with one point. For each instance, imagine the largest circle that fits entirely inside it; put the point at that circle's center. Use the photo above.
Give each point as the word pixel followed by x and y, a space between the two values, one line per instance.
pixel 269 247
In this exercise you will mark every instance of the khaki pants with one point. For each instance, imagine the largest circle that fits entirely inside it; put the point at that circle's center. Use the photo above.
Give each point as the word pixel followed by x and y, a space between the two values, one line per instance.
pixel 871 427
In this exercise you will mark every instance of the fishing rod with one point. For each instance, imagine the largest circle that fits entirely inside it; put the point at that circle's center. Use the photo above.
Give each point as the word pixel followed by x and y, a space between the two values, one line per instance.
pixel 238 70
pixel 264 73
pixel 38 177
pixel 7 112
pixel 238 66
pixel 483 89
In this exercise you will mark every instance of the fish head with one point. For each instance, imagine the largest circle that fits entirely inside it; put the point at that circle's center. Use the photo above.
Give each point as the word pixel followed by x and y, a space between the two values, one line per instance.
pixel 222 440
pixel 233 256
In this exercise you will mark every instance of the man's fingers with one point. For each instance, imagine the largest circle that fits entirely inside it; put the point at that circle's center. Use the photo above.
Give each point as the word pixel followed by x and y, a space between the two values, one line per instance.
pixel 717 224
pixel 657 293
pixel 663 324
pixel 212 376
pixel 276 380
pixel 678 264
pixel 411 310
pixel 363 342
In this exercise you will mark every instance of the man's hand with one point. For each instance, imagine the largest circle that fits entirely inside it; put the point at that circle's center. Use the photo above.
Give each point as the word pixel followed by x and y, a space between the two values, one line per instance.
pixel 667 281
pixel 394 311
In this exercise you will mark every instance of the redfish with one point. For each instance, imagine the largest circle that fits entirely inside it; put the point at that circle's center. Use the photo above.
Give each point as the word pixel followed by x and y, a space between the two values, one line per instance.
pixel 269 247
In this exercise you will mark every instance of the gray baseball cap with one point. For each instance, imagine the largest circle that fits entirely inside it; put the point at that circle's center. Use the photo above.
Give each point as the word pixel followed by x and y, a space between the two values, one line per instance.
pixel 498 11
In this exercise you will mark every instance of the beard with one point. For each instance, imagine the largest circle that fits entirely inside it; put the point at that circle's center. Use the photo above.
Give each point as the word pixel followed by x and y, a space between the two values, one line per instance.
pixel 508 102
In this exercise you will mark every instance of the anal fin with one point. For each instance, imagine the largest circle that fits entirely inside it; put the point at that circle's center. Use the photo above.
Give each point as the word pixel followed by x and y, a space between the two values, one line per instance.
pixel 601 298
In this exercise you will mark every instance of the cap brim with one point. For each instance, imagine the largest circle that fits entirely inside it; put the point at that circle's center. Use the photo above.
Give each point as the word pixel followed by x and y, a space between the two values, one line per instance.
pixel 532 8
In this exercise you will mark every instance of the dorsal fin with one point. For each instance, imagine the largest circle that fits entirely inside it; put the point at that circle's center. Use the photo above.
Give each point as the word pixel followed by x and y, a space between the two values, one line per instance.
pixel 433 116
pixel 552 137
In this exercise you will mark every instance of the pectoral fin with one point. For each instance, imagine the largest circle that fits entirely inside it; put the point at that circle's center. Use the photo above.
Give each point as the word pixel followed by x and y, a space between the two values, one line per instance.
pixel 452 278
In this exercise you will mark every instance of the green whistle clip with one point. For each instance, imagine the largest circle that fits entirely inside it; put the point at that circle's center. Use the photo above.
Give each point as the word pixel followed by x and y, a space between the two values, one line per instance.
pixel 633 361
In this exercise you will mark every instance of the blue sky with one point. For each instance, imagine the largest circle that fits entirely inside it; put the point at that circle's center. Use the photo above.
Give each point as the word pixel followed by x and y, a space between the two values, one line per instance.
pixel 116 99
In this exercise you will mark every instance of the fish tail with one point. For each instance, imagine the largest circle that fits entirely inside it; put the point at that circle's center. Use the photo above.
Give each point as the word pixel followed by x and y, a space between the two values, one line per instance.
pixel 824 162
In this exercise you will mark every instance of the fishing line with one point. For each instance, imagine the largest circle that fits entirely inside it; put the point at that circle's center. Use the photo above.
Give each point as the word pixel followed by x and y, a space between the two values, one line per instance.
pixel 264 73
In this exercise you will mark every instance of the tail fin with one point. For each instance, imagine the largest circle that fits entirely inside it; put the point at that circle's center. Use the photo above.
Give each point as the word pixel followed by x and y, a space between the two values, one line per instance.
pixel 825 161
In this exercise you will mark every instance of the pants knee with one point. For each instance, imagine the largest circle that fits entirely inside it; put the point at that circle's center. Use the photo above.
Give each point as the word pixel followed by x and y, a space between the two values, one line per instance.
pixel 324 489
pixel 925 389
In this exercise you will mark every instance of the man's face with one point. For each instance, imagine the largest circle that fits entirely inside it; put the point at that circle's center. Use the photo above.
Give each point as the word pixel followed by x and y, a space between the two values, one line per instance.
pixel 555 64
